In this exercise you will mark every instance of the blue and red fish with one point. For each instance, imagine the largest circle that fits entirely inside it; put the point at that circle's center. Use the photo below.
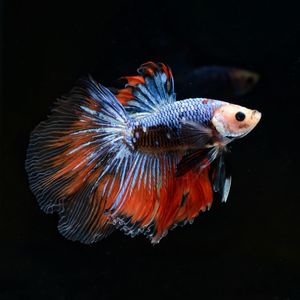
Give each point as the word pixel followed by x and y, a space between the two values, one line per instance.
pixel 137 160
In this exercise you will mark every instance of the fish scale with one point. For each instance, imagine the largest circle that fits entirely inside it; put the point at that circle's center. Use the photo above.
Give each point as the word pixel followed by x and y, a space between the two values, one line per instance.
pixel 161 130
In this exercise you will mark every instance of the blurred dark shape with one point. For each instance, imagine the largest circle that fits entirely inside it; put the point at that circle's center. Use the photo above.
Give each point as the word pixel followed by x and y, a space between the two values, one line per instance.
pixel 218 81
pixel 243 81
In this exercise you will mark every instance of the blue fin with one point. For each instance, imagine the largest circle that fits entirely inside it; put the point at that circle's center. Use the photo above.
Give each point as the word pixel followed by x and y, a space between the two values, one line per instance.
pixel 147 92
pixel 221 176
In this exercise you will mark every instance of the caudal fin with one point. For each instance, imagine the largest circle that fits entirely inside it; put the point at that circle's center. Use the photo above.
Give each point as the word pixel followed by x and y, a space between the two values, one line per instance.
pixel 68 159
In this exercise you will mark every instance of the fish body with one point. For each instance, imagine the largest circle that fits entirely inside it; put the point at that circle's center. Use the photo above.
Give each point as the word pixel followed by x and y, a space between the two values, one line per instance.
pixel 137 160
pixel 162 130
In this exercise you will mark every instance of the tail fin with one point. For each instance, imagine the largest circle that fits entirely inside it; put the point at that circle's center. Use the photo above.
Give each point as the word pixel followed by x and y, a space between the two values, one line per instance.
pixel 68 159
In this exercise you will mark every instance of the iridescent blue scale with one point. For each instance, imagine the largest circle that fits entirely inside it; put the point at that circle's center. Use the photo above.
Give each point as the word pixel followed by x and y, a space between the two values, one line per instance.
pixel 161 129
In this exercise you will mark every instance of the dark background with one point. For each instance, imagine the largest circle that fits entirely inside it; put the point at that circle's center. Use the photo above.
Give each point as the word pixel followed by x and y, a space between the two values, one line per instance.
pixel 248 248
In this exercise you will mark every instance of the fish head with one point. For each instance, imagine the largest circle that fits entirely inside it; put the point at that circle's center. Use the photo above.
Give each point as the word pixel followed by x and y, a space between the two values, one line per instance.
pixel 243 80
pixel 234 121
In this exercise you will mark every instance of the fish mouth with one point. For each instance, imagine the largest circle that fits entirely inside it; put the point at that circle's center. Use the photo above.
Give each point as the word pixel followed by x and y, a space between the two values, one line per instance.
pixel 255 117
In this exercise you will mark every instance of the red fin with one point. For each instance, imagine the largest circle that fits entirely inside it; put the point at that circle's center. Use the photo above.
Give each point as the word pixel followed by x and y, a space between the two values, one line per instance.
pixel 198 197
pixel 184 199
pixel 180 199
pixel 134 80
pixel 124 95
pixel 83 218
pixel 167 71
pixel 149 68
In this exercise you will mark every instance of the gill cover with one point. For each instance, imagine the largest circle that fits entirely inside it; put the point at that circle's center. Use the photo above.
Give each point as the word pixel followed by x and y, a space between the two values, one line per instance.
pixel 232 120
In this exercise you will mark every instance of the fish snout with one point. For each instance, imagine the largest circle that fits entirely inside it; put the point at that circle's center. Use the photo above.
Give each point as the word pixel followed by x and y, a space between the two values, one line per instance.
pixel 255 116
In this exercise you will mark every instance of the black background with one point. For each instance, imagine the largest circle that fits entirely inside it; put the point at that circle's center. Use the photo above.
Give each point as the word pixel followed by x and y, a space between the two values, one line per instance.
pixel 248 248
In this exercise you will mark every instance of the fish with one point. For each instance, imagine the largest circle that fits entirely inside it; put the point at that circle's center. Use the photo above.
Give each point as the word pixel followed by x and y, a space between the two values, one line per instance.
pixel 218 81
pixel 137 160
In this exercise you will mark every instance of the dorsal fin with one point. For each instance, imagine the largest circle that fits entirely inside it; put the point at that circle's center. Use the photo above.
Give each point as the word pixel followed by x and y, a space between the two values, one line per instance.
pixel 146 92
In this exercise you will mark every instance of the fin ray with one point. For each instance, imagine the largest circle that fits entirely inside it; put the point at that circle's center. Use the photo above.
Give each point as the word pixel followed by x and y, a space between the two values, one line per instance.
pixel 72 145
pixel 149 91
pixel 221 176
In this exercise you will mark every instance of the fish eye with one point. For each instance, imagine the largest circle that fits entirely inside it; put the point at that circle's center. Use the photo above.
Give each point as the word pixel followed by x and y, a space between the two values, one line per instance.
pixel 240 116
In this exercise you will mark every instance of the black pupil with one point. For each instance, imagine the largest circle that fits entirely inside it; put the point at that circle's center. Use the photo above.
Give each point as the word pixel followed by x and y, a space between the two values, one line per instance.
pixel 240 116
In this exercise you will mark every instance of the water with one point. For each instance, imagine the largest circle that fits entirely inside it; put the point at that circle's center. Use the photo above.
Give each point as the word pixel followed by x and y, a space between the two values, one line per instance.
pixel 247 248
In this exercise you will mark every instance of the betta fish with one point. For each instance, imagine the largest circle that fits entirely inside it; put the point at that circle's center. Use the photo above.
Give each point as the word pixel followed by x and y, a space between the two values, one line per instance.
pixel 136 160
pixel 213 81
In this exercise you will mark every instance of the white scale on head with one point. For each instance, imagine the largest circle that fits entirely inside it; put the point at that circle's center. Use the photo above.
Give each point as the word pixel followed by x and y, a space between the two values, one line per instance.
pixel 234 120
